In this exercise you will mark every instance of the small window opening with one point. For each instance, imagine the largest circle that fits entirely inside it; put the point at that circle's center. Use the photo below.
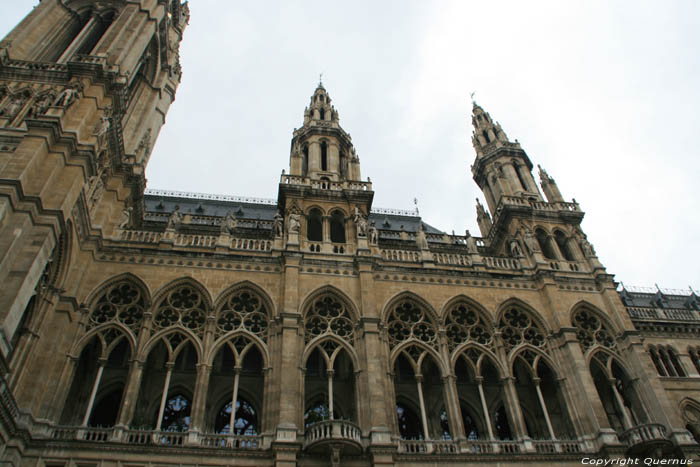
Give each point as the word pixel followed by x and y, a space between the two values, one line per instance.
pixel 322 113
pixel 324 156
pixel 337 227
pixel 486 136
pixel 314 227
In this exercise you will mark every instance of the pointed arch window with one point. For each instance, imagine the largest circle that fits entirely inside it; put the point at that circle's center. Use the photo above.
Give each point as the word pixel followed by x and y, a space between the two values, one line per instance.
pixel 562 243
pixel 545 245
pixel 324 153
pixel 314 226
pixel 407 320
pixel 337 227
pixel 518 326
pixel 184 306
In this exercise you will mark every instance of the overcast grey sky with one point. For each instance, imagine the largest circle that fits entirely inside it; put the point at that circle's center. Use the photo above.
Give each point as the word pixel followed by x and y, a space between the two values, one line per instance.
pixel 603 94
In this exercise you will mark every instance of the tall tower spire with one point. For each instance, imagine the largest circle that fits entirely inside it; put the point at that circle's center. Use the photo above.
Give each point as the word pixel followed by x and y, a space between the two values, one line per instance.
pixel 501 167
pixel 321 149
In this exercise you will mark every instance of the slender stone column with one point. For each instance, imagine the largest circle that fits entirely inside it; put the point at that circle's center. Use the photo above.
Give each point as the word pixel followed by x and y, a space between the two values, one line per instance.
pixel 330 393
pixel 234 399
pixel 95 386
pixel 199 402
pixel 621 405
pixel 536 381
pixel 424 418
pixel 130 393
pixel 512 404
pixel 484 406
pixel 164 397
pixel 452 407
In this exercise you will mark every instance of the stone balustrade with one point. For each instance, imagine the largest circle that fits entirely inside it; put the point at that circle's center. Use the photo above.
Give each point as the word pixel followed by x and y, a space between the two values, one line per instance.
pixel 326 184
pixel 639 434
pixel 406 256
pixel 664 315
pixel 452 259
pixel 140 236
pixel 495 262
pixel 231 441
pixel 332 430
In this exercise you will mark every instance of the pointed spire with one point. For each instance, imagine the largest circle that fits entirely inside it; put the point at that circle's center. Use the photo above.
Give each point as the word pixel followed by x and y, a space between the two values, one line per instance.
pixel 320 108
pixel 487 134
pixel 549 186
pixel 483 219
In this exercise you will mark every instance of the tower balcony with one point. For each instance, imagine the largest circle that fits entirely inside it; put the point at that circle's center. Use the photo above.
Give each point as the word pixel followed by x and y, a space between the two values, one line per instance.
pixel 320 184
pixel 646 439
pixel 331 435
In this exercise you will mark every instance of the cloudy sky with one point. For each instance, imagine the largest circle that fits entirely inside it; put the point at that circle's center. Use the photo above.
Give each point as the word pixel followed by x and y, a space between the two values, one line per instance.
pixel 604 95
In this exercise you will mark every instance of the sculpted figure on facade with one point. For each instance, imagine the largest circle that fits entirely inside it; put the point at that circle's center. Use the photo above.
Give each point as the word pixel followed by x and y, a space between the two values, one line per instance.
pixel 531 242
pixel 421 238
pixel 102 128
pixel 229 223
pixel 373 234
pixel 277 225
pixel 515 250
pixel 294 220
pixel 41 105
pixel 69 95
pixel 125 218
pixel 175 219
pixel 360 222
pixel 15 105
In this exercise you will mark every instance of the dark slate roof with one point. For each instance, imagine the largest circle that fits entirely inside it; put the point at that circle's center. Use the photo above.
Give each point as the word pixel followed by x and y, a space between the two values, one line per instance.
pixel 164 205
pixel 660 299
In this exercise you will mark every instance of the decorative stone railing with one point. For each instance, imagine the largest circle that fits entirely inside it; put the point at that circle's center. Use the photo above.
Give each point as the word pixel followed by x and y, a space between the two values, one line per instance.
pixel 231 441
pixel 332 430
pixel 428 447
pixel 251 244
pixel 553 446
pixel 406 256
pixel 206 241
pixel 495 262
pixel 452 259
pixel 643 434
pixel 326 184
pixel 35 65
pixel 139 236
pixel 661 314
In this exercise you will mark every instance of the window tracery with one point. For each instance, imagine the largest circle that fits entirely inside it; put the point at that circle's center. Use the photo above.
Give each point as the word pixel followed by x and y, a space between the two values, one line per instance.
pixel 463 323
pixel 518 326
pixel 182 306
pixel 328 315
pixel 121 302
pixel 590 330
pixel 409 321
pixel 243 310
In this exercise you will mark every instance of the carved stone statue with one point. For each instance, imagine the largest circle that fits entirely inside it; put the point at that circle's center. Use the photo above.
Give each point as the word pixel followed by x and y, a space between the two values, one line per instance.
pixel 69 95
pixel 294 220
pixel 421 238
pixel 531 242
pixel 229 223
pixel 175 218
pixel 586 247
pixel 360 222
pixel 126 217
pixel 98 189
pixel 41 105
pixel 373 234
pixel 102 128
pixel 471 243
pixel 277 225
pixel 515 250
pixel 14 107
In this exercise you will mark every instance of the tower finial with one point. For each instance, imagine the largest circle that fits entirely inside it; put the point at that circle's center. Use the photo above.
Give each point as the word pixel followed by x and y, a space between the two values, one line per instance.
pixel 471 96
pixel 320 79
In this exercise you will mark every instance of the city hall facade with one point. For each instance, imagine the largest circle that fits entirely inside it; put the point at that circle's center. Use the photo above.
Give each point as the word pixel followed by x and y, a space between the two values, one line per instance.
pixel 159 328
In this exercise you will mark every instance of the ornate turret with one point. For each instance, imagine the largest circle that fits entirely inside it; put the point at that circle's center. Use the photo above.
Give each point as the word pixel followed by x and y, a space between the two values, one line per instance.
pixel 549 186
pixel 321 149
pixel 501 167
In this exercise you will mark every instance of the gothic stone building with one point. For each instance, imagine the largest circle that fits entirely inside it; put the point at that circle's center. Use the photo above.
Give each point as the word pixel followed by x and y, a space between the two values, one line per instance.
pixel 156 328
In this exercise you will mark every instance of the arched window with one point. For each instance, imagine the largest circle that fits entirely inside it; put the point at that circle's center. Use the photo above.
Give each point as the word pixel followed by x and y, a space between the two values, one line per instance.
pixel 518 169
pixel 518 326
pixel 407 320
pixel 322 113
pixel 176 415
pixel 501 424
pixel 324 154
pixel 408 422
pixel 314 226
pixel 305 160
pixel 561 240
pixel 464 323
pixel 545 245
pixel 654 354
pixel 337 227
pixel 246 419
pixel 184 305
pixel 694 353
pixel 591 330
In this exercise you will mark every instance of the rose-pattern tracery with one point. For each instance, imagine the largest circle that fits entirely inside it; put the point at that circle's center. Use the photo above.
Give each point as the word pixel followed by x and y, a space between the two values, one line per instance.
pixel 185 306
pixel 518 327
pixel 121 302
pixel 464 324
pixel 328 315
pixel 590 330
pixel 407 321
pixel 243 310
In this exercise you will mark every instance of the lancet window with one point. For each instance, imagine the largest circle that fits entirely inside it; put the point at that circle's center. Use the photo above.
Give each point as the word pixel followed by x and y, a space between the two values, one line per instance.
pixel 665 359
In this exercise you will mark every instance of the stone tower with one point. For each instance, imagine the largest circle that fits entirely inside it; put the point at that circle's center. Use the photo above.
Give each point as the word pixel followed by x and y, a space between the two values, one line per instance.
pixel 84 90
